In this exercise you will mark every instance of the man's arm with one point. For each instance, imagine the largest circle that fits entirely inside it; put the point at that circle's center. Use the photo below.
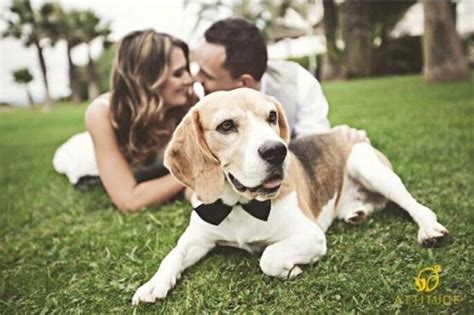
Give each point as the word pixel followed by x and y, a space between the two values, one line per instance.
pixel 312 106
pixel 312 110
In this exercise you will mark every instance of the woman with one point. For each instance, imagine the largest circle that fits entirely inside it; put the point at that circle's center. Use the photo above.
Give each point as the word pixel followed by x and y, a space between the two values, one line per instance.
pixel 131 126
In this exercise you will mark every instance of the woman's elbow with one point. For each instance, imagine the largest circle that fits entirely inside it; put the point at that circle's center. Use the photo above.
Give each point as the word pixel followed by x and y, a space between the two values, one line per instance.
pixel 128 206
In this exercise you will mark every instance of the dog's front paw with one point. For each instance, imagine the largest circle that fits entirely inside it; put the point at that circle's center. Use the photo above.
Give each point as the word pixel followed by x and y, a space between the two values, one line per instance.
pixel 432 234
pixel 294 272
pixel 275 269
pixel 150 291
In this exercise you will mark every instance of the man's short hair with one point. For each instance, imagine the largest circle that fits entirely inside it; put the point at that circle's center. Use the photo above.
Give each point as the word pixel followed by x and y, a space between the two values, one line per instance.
pixel 245 46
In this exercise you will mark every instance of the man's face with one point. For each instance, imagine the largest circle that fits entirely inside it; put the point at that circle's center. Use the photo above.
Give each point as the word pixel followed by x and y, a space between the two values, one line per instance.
pixel 212 74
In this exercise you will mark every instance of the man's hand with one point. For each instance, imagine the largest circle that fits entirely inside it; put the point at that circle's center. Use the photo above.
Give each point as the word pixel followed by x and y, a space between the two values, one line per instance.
pixel 352 135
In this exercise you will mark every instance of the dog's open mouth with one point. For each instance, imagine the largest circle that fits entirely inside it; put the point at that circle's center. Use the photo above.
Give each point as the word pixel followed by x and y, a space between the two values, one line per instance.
pixel 269 185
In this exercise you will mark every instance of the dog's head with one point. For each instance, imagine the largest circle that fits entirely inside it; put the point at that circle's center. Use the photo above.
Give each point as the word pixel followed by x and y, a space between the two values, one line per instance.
pixel 240 136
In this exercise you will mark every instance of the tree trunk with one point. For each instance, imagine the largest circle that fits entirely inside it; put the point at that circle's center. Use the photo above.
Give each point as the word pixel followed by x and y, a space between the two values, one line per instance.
pixel 454 16
pixel 443 59
pixel 92 79
pixel 48 103
pixel 332 68
pixel 380 62
pixel 73 80
pixel 31 103
pixel 357 38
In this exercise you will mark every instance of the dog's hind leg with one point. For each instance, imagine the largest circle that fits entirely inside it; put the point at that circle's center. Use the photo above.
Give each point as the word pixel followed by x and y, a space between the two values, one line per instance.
pixel 356 202
pixel 364 166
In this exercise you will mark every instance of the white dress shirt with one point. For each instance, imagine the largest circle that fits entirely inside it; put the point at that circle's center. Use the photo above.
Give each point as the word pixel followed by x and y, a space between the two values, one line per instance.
pixel 300 94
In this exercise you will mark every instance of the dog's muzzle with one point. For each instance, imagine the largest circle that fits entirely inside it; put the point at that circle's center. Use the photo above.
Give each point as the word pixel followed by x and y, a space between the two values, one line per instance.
pixel 273 152
pixel 269 185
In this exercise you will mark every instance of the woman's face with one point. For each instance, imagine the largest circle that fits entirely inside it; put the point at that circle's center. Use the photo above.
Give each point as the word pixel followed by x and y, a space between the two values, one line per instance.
pixel 177 87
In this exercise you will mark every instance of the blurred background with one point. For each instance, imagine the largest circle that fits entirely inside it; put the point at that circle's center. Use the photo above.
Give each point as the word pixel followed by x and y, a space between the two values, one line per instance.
pixel 63 50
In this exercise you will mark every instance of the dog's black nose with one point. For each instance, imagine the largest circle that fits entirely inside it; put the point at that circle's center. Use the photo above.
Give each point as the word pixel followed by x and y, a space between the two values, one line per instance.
pixel 273 152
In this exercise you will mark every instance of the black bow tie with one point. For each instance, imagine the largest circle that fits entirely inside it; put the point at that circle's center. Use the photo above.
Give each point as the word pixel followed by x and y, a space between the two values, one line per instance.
pixel 215 213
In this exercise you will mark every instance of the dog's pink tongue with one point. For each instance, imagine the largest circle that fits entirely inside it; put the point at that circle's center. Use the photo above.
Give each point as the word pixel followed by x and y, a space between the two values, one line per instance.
pixel 273 183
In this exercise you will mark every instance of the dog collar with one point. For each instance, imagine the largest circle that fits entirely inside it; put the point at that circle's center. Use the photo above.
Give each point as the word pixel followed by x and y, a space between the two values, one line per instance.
pixel 214 213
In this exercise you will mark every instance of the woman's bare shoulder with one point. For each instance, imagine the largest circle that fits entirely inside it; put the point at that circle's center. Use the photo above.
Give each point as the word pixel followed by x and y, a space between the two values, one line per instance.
pixel 97 114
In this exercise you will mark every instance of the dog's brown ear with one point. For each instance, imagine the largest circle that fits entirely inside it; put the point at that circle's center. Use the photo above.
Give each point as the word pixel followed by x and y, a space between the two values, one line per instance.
pixel 189 159
pixel 282 123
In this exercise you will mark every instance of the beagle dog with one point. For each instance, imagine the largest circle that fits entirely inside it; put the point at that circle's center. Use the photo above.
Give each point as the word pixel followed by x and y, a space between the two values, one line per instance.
pixel 255 191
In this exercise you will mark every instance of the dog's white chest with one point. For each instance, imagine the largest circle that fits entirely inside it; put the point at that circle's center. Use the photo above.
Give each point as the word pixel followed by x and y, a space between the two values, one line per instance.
pixel 242 230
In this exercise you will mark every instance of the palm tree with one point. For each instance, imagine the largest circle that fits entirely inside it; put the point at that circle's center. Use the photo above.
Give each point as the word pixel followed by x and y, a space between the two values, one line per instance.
pixel 357 38
pixel 67 25
pixel 332 68
pixel 362 23
pixel 442 54
pixel 23 76
pixel 31 27
pixel 90 29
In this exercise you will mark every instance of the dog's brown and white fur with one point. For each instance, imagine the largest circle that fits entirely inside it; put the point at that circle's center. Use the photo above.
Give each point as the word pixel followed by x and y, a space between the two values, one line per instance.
pixel 215 152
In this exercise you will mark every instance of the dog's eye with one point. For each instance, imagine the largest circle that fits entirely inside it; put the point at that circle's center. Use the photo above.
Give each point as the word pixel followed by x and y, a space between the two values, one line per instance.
pixel 227 126
pixel 272 117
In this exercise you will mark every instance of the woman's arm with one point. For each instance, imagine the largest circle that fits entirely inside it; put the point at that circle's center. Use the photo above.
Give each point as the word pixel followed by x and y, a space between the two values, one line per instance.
pixel 114 171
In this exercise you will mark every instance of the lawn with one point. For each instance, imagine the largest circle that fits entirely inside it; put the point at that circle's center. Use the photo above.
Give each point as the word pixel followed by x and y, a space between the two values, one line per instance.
pixel 64 250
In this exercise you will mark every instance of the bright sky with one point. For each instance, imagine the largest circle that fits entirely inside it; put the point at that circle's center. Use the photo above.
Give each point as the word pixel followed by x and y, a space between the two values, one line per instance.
pixel 163 15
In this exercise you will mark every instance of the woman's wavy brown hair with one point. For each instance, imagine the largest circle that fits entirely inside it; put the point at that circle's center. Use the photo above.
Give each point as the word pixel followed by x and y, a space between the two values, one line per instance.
pixel 142 123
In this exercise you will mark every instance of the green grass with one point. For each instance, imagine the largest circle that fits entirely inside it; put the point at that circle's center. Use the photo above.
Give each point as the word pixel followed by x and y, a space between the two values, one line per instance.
pixel 63 250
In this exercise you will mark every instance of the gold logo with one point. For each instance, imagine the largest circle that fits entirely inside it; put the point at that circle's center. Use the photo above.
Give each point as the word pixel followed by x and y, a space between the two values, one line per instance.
pixel 427 279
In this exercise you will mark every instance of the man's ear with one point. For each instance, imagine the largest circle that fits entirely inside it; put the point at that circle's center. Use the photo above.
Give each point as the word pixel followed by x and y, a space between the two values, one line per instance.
pixel 248 81
pixel 189 159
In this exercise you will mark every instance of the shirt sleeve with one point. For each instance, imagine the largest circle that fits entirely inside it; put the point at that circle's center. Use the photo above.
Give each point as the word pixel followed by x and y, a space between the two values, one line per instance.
pixel 312 106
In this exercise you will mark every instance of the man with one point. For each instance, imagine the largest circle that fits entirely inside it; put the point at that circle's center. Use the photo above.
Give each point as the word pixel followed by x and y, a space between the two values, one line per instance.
pixel 234 54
